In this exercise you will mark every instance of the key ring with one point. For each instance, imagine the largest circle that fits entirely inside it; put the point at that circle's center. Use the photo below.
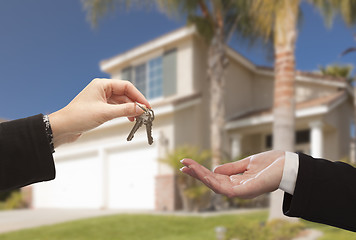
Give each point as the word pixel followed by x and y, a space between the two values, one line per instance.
pixel 143 107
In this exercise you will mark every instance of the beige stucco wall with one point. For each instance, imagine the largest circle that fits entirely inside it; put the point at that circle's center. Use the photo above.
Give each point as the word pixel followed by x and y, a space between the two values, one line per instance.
pixel 345 118
pixel 185 66
pixel 337 144
pixel 186 130
pixel 201 85
pixel 307 90
pixel 200 56
pixel 239 84
pixel 262 92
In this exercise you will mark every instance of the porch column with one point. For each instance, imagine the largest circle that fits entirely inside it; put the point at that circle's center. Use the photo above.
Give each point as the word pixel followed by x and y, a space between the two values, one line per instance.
pixel 316 139
pixel 236 145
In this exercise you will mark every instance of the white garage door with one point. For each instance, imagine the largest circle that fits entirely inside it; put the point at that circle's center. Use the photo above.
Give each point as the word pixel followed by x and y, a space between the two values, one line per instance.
pixel 132 178
pixel 78 184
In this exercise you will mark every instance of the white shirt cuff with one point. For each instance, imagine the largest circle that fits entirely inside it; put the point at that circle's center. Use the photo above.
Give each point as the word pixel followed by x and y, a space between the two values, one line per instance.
pixel 290 172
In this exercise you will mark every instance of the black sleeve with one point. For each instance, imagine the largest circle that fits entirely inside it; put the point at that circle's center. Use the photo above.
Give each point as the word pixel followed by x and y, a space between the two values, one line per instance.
pixel 25 153
pixel 325 192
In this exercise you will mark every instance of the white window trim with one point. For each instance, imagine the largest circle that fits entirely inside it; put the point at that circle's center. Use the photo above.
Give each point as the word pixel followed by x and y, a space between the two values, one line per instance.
pixel 147 57
pixel 146 62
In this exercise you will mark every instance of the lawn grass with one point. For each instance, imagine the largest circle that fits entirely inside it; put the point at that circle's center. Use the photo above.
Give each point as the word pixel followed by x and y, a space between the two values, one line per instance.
pixel 331 233
pixel 155 227
pixel 135 227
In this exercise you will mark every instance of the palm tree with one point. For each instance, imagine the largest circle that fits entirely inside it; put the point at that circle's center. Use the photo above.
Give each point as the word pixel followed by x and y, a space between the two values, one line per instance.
pixel 278 19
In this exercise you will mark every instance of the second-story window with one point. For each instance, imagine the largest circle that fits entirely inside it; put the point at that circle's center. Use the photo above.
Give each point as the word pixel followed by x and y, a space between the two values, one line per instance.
pixel 155 78
pixel 140 78
pixel 148 78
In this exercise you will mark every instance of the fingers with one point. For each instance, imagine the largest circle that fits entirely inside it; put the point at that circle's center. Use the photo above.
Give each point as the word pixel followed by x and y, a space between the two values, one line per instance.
pixel 233 168
pixel 218 183
pixel 196 170
pixel 129 110
pixel 193 167
pixel 119 99
pixel 230 186
pixel 122 93
pixel 121 87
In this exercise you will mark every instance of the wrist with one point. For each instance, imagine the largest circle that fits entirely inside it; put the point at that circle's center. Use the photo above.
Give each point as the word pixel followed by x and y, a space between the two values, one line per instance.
pixel 60 129
pixel 290 172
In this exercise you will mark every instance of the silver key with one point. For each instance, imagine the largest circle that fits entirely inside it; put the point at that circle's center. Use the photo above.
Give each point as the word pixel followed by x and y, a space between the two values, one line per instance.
pixel 148 124
pixel 145 118
pixel 138 124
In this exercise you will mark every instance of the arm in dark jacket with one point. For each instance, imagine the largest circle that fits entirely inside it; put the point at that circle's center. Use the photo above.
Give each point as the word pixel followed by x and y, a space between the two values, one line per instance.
pixel 325 192
pixel 25 153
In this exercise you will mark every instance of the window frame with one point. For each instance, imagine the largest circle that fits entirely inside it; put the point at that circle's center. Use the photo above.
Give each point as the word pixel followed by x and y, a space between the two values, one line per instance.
pixel 146 63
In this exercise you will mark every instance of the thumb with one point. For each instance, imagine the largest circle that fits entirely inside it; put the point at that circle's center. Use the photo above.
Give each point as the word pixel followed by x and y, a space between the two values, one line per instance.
pixel 123 110
pixel 233 167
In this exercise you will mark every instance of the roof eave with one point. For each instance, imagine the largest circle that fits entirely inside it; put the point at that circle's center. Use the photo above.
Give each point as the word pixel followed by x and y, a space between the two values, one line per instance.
pixel 107 65
pixel 299 113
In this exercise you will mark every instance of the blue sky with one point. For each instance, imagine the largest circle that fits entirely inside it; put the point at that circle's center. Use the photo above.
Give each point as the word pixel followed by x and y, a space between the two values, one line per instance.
pixel 49 52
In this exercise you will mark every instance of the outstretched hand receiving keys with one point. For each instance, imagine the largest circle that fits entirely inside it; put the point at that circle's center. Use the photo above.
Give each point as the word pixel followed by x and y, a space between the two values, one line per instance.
pixel 247 178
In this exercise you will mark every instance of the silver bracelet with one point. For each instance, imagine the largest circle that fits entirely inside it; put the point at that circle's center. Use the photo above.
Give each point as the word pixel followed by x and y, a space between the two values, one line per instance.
pixel 48 132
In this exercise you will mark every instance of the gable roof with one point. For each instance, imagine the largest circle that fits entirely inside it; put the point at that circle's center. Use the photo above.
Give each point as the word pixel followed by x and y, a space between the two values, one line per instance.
pixel 305 76
pixel 185 32
pixel 154 44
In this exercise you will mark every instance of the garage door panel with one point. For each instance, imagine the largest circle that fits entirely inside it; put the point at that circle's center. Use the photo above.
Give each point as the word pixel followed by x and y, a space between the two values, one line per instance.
pixel 132 178
pixel 78 184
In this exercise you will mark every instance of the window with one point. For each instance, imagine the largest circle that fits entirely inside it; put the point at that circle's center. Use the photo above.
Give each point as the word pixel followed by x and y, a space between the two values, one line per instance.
pixel 155 78
pixel 148 78
pixel 140 78
pixel 301 137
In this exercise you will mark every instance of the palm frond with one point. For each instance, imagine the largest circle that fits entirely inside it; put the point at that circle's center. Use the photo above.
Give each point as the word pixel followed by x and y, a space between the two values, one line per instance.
pixel 337 70
pixel 346 8
pixel 203 26
pixel 327 10
pixel 97 9
pixel 347 51
pixel 330 8
pixel 178 8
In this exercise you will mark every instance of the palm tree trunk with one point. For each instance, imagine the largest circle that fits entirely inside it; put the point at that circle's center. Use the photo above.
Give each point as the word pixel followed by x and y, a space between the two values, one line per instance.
pixel 216 64
pixel 353 139
pixel 284 100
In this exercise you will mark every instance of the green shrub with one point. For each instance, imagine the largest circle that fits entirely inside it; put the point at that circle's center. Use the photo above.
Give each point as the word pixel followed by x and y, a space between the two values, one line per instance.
pixel 14 201
pixel 273 230
pixel 251 230
pixel 283 230
pixel 194 195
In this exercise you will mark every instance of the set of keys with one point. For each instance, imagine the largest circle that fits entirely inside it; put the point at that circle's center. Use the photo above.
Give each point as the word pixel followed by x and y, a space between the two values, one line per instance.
pixel 146 118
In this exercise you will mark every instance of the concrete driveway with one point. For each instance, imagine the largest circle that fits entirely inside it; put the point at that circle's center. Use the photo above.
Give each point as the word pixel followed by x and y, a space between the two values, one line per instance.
pixel 29 218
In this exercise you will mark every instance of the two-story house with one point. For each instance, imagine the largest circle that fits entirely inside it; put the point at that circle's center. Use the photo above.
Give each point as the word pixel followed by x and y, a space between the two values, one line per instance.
pixel 103 170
